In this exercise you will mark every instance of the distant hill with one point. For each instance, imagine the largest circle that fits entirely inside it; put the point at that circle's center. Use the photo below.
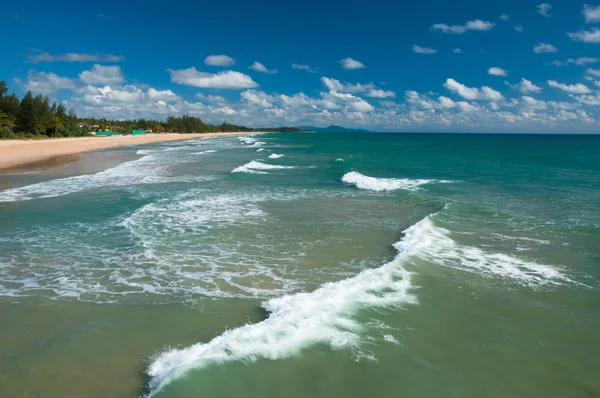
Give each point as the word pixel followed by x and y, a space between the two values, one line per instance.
pixel 332 129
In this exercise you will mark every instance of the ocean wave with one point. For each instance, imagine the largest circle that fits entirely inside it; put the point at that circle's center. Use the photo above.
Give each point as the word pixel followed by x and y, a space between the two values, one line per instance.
pixel 434 244
pixel 256 167
pixel 385 184
pixel 275 156
pixel 324 316
pixel 203 152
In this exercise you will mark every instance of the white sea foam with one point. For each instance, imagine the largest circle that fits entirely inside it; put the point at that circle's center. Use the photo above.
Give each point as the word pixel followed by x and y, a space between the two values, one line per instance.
pixel 327 315
pixel 260 149
pixel 256 167
pixel 275 156
pixel 204 152
pixel 247 139
pixel 385 184
pixel 324 316
pixel 150 169
pixel 435 245
pixel 339 160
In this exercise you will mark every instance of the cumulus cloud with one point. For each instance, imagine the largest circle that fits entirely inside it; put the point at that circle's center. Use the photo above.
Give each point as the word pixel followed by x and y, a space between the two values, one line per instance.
pixel 257 66
pixel 336 85
pixel 477 24
pixel 587 36
pixel 519 28
pixel 458 51
pixel 45 83
pixel 484 93
pixel 257 98
pixel 376 93
pixel 570 88
pixel 591 13
pixel 369 89
pixel 162 95
pixel 223 80
pixel 525 86
pixel 100 74
pixel 219 60
pixel 504 17
pixel 424 50
pixel 593 72
pixel 303 67
pixel 349 63
pixel 495 71
pixel 542 48
pixel 543 9
pixel 42 56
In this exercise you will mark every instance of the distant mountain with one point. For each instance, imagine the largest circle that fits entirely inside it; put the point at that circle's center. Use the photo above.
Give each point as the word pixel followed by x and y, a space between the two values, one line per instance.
pixel 332 129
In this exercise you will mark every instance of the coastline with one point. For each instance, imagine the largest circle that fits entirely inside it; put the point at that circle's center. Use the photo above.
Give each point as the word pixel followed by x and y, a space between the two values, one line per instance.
pixel 18 154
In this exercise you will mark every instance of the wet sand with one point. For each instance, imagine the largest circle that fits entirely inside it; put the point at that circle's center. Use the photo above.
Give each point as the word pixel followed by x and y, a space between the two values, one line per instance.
pixel 19 154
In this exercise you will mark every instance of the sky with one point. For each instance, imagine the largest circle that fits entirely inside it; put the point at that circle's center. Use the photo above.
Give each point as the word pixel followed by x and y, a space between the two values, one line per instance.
pixel 431 65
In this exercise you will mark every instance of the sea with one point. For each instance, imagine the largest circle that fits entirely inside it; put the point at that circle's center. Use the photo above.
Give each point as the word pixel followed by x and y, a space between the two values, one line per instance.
pixel 293 265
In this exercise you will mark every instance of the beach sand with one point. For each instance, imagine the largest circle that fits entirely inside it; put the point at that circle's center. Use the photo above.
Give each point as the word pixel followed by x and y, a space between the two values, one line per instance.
pixel 47 153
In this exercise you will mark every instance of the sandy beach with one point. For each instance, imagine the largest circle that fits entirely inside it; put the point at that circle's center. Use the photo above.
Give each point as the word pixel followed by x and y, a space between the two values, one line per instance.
pixel 17 153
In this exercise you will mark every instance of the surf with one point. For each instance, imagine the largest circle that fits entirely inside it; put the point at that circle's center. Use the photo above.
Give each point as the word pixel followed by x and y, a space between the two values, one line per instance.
pixel 362 181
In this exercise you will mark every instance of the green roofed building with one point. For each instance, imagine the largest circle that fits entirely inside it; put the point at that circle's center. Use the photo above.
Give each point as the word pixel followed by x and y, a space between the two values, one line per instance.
pixel 138 132
pixel 106 133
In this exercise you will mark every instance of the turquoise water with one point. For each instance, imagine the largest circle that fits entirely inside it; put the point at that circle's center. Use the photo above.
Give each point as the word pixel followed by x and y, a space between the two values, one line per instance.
pixel 294 265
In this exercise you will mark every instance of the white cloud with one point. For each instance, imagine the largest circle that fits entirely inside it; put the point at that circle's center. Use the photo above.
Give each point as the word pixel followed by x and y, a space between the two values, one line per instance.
pixel 257 66
pixel 349 63
pixel 583 60
pixel 219 60
pixel 542 48
pixel 376 93
pixel 593 100
pixel 594 72
pixel 162 95
pixel 100 74
pixel 424 50
pixel 495 71
pixel 258 98
pixel 570 88
pixel 224 80
pixel 42 56
pixel 458 51
pixel 543 9
pixel 504 17
pixel 446 102
pixel 369 89
pixel 485 93
pixel 477 24
pixel 586 36
pixel 334 100
pixel 45 83
pixel 526 87
pixel 303 67
pixel 591 13
pixel 217 99
pixel 336 85
pixel 519 28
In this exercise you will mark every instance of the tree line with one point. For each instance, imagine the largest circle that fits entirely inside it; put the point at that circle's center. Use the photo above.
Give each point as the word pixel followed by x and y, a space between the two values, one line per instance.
pixel 35 116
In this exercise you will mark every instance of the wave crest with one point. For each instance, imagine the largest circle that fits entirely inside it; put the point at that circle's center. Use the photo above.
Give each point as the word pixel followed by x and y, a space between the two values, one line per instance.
pixel 362 181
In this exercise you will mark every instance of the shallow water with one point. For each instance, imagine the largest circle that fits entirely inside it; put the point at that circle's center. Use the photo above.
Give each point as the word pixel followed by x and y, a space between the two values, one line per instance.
pixel 353 265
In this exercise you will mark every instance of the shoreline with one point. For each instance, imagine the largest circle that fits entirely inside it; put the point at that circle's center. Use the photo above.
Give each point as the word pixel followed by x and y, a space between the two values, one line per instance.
pixel 28 154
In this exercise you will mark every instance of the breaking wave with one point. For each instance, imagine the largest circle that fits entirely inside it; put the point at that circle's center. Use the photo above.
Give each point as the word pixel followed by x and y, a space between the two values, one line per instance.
pixel 256 167
pixel 275 156
pixel 324 316
pixel 385 184
pixel 327 315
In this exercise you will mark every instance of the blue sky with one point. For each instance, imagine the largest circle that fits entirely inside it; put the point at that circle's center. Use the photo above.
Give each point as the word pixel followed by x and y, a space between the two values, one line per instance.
pixel 513 66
